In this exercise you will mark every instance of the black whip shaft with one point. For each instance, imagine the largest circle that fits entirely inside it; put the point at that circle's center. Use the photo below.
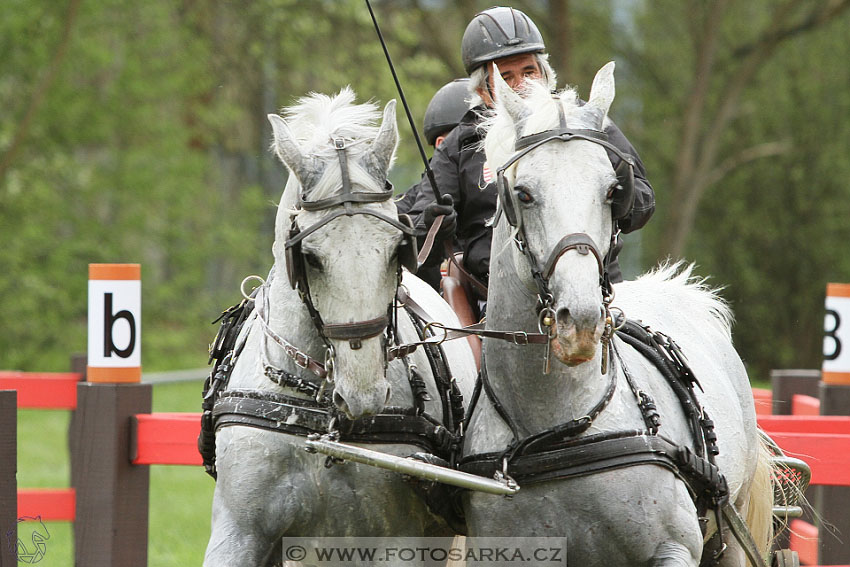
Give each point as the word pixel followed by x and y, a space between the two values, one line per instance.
pixel 428 170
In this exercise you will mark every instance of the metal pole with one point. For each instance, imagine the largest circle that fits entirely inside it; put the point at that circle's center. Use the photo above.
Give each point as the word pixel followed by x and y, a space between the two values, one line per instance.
pixel 411 467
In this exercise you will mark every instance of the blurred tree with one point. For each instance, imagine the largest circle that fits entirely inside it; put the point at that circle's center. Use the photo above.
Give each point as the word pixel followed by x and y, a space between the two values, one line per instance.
pixel 777 230
pixel 739 106
pixel 138 133
pixel 700 58
pixel 105 173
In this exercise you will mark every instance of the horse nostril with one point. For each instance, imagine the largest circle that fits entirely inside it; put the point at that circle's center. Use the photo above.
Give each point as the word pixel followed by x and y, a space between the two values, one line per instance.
pixel 563 317
pixel 341 404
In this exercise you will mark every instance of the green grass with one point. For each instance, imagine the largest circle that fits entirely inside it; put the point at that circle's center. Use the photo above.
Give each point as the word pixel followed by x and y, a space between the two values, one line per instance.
pixel 180 497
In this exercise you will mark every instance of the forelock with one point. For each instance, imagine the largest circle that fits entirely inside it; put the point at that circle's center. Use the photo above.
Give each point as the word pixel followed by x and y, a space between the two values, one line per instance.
pixel 499 127
pixel 317 118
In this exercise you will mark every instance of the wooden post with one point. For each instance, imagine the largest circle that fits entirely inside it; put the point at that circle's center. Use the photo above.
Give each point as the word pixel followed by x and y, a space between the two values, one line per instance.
pixel 111 526
pixel 833 502
pixel 785 383
pixel 78 364
pixel 8 477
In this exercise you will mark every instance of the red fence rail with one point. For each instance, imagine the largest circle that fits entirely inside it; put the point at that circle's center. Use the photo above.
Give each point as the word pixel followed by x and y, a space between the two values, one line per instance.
pixel 44 390
pixel 165 439
pixel 822 441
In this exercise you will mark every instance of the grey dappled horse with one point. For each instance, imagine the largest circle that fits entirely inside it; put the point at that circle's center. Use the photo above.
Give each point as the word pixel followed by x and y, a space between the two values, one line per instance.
pixel 558 192
pixel 268 486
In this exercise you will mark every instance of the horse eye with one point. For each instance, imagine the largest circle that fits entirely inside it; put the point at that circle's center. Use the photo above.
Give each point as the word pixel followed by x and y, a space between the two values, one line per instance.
pixel 312 260
pixel 523 195
pixel 609 195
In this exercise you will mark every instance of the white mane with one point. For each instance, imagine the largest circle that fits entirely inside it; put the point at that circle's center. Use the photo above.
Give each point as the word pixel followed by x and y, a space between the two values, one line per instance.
pixel 674 284
pixel 316 119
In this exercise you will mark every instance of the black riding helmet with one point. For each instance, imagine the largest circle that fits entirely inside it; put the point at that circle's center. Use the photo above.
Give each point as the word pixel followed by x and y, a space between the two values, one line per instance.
pixel 498 32
pixel 446 109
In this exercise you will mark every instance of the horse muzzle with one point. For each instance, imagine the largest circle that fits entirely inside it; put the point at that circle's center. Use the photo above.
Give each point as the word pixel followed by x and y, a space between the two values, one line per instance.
pixel 578 334
pixel 359 376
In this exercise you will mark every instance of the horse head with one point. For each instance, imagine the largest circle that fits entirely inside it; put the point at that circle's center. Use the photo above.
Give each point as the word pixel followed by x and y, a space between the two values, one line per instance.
pixel 553 183
pixel 338 233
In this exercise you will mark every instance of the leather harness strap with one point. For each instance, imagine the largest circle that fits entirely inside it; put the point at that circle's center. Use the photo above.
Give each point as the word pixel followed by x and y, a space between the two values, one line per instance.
pixel 358 330
pixel 557 453
pixel 451 333
pixel 581 243
pixel 315 412
pixel 581 457
pixel 297 416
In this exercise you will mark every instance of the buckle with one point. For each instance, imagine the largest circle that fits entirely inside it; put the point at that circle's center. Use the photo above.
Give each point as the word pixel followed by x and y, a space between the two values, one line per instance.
pixel 520 338
pixel 301 359
pixel 339 143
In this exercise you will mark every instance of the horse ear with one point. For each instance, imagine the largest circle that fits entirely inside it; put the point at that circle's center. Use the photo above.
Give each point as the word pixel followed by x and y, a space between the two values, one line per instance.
pixel 511 101
pixel 601 93
pixel 287 149
pixel 384 144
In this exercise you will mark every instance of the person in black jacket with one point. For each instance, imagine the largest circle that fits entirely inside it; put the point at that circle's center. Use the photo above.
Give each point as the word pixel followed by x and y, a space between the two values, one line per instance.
pixel 508 38
pixel 444 111
pixel 447 107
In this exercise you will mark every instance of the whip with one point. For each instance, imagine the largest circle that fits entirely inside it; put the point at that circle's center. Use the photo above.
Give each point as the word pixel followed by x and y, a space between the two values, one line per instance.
pixel 428 171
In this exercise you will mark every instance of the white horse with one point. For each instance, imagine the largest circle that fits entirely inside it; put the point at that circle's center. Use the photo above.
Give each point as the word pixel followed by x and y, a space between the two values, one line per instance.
pixel 556 219
pixel 339 239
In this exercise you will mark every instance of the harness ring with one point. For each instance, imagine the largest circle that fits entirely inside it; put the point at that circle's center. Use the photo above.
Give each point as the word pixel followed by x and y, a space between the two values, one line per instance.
pixel 437 325
pixel 247 279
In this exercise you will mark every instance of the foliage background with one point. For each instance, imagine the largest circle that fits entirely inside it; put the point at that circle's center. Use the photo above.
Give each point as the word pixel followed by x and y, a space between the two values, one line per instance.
pixel 137 132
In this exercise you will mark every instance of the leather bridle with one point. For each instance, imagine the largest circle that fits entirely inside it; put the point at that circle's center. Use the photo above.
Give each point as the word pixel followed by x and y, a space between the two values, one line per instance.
pixel 358 331
pixel 578 241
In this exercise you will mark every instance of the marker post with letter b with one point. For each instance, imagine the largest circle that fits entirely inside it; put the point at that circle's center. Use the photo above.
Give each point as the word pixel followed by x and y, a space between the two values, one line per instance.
pixel 115 323
pixel 111 492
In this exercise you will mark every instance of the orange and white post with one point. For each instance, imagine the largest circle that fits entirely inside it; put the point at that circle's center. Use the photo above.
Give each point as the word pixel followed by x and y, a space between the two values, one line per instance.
pixel 836 342
pixel 115 323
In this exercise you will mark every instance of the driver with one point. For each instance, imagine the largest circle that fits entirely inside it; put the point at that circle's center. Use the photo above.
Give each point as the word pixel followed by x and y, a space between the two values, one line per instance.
pixel 509 39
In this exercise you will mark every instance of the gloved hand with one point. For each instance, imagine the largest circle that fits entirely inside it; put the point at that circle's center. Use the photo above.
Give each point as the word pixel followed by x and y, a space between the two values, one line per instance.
pixel 444 207
pixel 623 195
